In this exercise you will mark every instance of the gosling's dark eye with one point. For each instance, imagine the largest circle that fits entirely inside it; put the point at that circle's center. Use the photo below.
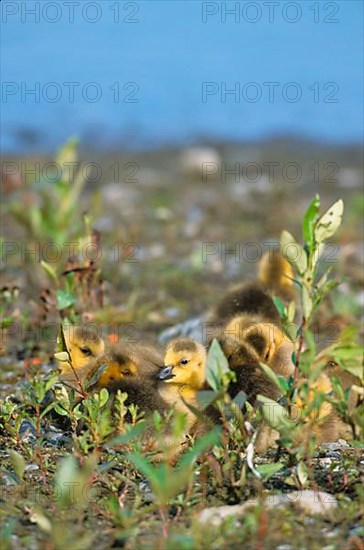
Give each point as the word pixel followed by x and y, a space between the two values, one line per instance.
pixel 86 351
pixel 184 362
pixel 127 372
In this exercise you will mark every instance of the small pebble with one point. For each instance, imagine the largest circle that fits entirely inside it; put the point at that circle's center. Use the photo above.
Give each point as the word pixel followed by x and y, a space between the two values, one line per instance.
pixel 172 311
pixel 31 468
pixel 7 479
pixel 336 446
pixel 146 490
pixel 27 432
pixel 334 454
pixel 325 461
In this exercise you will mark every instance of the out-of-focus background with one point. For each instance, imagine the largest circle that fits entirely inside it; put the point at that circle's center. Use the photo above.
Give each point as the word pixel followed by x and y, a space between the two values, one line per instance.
pixel 152 73
pixel 203 127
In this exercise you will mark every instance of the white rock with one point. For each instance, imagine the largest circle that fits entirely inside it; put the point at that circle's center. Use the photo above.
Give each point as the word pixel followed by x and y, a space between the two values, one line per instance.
pixel 31 468
pixel 193 159
pixel 216 515
pixel 312 502
pixel 336 445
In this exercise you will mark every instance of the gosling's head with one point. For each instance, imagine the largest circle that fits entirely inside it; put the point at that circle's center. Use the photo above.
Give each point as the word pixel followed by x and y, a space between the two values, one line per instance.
pixel 185 362
pixel 248 330
pixel 320 387
pixel 265 338
pixel 118 368
pixel 274 267
pixel 83 344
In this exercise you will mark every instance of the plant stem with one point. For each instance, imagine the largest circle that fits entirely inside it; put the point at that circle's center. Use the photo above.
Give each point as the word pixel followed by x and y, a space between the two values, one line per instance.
pixel 297 362
pixel 162 512
pixel 82 390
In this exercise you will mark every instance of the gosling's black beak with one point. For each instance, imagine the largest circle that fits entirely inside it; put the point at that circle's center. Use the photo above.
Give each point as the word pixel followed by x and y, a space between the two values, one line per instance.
pixel 166 373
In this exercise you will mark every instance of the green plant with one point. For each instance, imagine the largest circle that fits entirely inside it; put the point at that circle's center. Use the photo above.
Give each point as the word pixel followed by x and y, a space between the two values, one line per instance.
pixel 73 492
pixel 49 211
pixel 8 300
pixel 306 387
pixel 168 481
pixel 78 285
pixel 232 462
pixel 49 208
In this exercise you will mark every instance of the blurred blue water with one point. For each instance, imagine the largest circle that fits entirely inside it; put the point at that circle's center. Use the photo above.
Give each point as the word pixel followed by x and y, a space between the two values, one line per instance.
pixel 168 53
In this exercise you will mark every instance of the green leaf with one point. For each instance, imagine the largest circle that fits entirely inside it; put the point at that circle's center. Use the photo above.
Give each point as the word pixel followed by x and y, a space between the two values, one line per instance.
pixel 349 358
pixel 322 281
pixel 67 154
pixel 134 433
pixel 357 444
pixel 286 240
pixel 240 399
pixel 179 424
pixel 62 342
pixel 170 483
pixel 327 288
pixel 60 410
pixel 310 339
pixel 69 282
pixel 18 463
pixel 290 329
pixel 104 397
pixel 270 374
pixel 348 336
pixel 64 299
pixel 144 466
pixel 307 303
pixel 309 221
pixel 96 376
pixel 302 473
pixel 216 366
pixel 337 387
pixel 62 356
pixel 279 306
pixel 291 311
pixel 37 516
pixel 283 384
pixel 330 222
pixel 316 254
pixel 268 470
pixel 47 409
pixel 71 480
pixel 50 382
pixel 51 272
pixel 6 322
pixel 209 440
pixel 356 369
pixel 65 475
pixel 206 398
pixel 274 414
pixel 293 252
